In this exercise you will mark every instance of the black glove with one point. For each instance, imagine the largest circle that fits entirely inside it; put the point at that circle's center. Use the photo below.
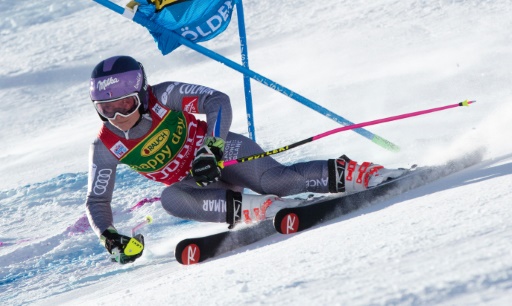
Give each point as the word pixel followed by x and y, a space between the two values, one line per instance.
pixel 124 249
pixel 205 167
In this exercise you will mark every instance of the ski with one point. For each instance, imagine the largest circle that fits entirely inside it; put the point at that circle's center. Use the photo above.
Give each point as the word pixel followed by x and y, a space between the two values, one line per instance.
pixel 296 219
pixel 313 212
pixel 198 249
pixel 195 250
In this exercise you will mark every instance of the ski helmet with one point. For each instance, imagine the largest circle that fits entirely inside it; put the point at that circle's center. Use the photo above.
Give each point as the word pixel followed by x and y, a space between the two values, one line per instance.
pixel 117 77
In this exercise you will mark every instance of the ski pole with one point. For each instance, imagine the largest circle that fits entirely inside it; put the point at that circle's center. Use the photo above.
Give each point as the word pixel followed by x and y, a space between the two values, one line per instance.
pixel 135 245
pixel 147 220
pixel 340 129
pixel 144 202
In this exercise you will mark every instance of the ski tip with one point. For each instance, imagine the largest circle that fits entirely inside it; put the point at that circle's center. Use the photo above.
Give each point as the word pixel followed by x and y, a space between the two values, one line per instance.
pixel 287 224
pixel 188 255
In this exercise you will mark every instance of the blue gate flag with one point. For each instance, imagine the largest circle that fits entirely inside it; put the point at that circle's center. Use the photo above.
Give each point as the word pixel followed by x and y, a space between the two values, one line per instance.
pixel 195 20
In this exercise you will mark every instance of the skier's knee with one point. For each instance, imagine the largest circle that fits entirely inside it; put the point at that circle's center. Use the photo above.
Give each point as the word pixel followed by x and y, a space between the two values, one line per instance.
pixel 169 197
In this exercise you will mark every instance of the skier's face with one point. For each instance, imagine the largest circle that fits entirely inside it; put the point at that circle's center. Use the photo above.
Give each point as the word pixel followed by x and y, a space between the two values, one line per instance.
pixel 125 123
pixel 121 112
pixel 119 107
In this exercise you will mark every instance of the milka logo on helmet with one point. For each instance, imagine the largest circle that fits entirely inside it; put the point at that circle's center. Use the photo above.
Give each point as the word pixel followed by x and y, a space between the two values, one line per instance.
pixel 102 85
pixel 155 143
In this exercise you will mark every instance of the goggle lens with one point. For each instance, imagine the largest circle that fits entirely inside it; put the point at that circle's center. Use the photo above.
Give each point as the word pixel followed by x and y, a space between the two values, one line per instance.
pixel 123 106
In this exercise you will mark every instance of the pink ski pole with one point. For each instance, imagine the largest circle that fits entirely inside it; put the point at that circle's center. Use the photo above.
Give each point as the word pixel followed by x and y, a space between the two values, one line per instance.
pixel 147 220
pixel 341 129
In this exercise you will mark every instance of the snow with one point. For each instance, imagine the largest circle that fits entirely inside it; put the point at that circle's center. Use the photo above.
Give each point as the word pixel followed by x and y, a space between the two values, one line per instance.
pixel 446 243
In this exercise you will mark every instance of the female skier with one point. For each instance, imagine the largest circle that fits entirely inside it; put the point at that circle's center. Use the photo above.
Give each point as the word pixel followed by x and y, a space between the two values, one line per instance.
pixel 152 129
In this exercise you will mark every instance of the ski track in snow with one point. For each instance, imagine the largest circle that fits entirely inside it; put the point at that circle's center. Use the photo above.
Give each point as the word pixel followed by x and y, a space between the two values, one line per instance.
pixel 446 243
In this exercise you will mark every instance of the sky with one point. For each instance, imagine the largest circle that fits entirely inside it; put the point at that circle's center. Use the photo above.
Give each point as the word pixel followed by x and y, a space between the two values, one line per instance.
pixel 446 243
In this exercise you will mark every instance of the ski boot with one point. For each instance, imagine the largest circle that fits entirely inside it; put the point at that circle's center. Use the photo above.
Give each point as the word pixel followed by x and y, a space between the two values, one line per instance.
pixel 346 175
pixel 252 208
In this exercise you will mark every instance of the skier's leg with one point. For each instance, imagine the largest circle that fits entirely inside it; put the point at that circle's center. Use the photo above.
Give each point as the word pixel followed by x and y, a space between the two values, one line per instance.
pixel 267 176
pixel 220 201
pixel 272 179
pixel 223 201
pixel 187 200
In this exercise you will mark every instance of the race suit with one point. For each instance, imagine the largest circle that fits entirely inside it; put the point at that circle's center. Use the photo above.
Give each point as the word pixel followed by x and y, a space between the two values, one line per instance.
pixel 162 146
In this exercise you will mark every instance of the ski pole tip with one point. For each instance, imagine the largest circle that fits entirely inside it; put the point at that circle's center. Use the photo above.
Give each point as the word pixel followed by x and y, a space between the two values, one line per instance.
pixel 466 103
pixel 149 219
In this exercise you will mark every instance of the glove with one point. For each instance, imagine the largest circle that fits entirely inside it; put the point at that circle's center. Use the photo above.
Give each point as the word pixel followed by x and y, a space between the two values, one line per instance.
pixel 205 167
pixel 123 249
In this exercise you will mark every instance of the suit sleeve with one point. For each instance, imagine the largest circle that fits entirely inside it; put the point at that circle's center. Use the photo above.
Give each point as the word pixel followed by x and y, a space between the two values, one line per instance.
pixel 198 99
pixel 102 174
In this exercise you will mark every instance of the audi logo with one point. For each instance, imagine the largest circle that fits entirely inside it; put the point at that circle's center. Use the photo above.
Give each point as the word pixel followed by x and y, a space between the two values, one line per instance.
pixel 101 183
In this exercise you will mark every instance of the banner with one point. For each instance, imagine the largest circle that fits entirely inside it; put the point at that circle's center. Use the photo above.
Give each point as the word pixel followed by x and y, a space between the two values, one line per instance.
pixel 195 20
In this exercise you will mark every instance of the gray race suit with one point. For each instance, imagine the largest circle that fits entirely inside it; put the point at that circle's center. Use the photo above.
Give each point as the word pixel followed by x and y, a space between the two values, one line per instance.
pixel 185 199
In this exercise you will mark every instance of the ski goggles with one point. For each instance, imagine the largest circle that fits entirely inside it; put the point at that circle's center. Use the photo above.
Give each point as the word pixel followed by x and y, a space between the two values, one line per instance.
pixel 123 106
